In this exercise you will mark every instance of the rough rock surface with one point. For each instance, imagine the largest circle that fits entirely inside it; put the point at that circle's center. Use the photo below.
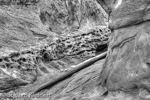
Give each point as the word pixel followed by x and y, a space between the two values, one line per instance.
pixel 66 16
pixel 52 59
pixel 125 73
pixel 44 38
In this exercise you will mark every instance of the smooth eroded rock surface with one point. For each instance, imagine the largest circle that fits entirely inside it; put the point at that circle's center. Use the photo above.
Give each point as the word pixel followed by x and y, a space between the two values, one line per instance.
pixel 127 66
pixel 127 12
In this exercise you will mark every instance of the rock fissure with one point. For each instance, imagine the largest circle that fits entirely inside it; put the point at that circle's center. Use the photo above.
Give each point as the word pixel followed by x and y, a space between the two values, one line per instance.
pixel 123 42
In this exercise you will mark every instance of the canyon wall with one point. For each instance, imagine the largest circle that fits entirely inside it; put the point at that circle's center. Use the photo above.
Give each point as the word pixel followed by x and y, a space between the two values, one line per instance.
pixel 125 72
pixel 40 38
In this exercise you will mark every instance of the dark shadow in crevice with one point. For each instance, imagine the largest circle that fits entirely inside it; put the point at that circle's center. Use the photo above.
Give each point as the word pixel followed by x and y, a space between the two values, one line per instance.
pixel 101 48
pixel 105 93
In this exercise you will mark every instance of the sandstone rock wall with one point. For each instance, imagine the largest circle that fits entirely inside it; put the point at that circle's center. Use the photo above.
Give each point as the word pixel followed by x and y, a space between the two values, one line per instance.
pixel 127 65
pixel 125 73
